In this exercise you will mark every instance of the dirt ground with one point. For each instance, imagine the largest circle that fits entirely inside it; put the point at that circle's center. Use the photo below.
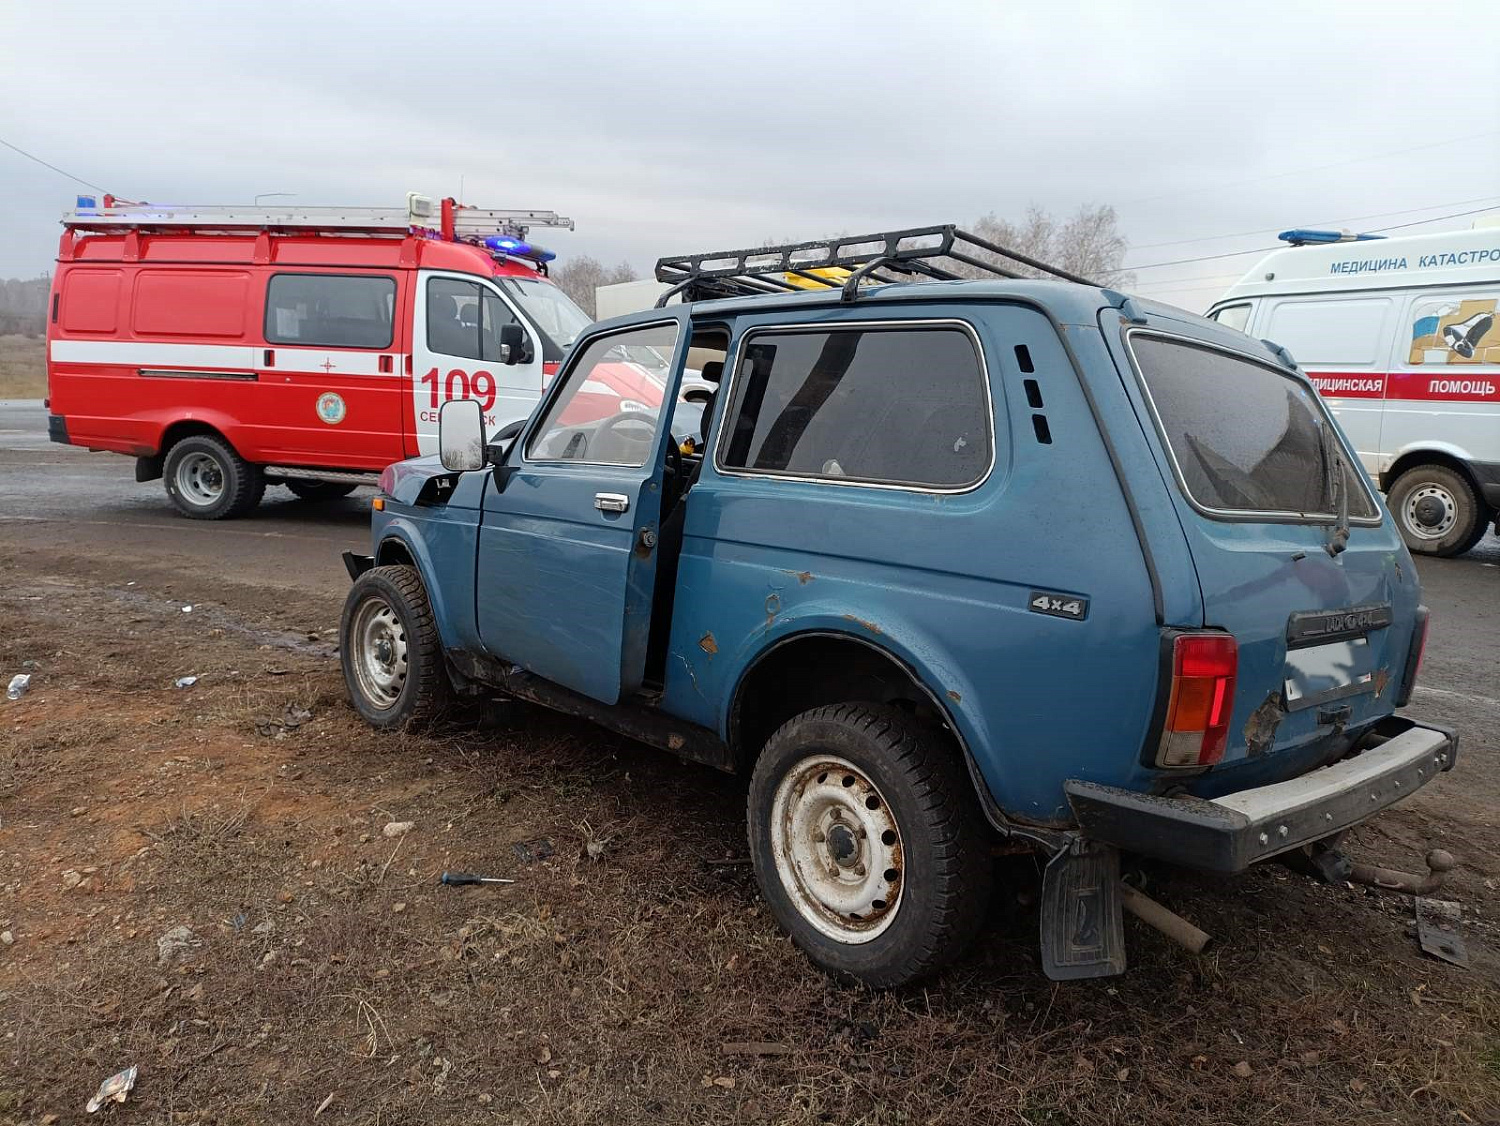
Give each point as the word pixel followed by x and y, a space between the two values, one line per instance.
pixel 631 974
pixel 23 367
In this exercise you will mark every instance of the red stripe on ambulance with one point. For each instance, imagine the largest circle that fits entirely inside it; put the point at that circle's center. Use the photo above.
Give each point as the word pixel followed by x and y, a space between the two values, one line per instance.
pixel 1408 386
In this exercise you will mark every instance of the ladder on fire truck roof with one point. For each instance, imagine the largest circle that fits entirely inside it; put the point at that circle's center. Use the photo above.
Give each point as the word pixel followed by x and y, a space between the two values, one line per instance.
pixel 446 218
pixel 847 262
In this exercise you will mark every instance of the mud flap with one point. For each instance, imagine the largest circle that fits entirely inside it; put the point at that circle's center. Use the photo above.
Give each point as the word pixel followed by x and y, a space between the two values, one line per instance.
pixel 1082 931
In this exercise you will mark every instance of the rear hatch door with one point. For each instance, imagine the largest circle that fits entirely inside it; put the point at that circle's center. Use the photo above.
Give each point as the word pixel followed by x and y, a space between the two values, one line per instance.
pixel 1253 461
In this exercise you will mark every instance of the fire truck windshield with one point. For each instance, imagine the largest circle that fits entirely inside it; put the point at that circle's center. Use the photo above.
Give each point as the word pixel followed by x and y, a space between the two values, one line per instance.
pixel 551 310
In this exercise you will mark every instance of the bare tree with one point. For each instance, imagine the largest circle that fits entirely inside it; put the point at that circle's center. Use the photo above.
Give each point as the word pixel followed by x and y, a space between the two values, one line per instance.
pixel 23 305
pixel 579 277
pixel 1089 244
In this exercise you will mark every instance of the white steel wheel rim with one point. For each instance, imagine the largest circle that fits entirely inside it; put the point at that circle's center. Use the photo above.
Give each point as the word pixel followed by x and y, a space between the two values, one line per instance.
pixel 200 479
pixel 837 849
pixel 379 652
pixel 1430 531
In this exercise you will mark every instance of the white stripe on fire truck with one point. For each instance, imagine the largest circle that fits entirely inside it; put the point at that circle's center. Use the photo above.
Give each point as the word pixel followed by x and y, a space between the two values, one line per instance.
pixel 133 353
pixel 235 357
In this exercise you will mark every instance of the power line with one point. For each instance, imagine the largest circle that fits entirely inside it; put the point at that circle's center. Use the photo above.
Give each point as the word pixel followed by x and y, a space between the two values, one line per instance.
pixel 55 168
pixel 1320 223
pixel 1268 249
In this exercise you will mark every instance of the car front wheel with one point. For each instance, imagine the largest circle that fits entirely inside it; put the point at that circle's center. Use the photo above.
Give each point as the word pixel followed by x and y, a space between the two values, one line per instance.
pixel 867 843
pixel 391 653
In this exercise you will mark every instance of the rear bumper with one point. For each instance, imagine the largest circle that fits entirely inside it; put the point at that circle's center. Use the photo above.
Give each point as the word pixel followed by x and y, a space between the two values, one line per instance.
pixel 1229 833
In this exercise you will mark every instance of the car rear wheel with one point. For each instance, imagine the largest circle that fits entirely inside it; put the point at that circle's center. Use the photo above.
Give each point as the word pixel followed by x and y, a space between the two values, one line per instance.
pixel 390 650
pixel 1436 511
pixel 867 843
pixel 319 490
pixel 207 480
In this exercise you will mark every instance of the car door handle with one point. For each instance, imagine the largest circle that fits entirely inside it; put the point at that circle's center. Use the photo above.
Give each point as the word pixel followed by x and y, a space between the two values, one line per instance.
pixel 611 502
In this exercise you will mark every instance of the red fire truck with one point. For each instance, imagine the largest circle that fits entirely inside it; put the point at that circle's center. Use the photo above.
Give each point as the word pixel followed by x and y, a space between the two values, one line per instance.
pixel 227 348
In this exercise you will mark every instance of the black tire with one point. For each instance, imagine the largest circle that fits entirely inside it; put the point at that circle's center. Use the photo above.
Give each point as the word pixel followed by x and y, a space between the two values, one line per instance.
pixel 207 480
pixel 1452 503
pixel 417 687
pixel 319 490
pixel 940 859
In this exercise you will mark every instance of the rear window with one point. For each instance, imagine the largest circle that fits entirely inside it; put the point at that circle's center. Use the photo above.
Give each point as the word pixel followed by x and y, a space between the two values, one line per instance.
pixel 330 310
pixel 1245 438
pixel 882 405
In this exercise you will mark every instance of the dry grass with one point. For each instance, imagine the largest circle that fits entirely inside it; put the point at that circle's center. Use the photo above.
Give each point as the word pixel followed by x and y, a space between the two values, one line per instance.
pixel 599 988
pixel 23 367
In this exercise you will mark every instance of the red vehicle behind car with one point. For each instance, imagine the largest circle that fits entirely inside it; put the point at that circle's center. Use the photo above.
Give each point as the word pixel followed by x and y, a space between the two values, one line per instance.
pixel 227 348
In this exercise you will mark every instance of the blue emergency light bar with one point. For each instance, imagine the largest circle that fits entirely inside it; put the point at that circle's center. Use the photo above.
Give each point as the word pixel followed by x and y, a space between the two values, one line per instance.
pixel 1302 237
pixel 504 244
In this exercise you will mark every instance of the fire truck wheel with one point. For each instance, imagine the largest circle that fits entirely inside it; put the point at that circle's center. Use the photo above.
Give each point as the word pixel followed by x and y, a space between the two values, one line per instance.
pixel 390 649
pixel 207 480
pixel 319 490
pixel 1436 511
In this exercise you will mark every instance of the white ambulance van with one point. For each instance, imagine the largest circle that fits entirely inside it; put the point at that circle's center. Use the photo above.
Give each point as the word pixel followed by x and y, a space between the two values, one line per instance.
pixel 1402 337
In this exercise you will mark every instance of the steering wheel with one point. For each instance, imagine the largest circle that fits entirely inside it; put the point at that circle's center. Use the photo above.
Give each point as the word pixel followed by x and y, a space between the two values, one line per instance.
pixel 617 422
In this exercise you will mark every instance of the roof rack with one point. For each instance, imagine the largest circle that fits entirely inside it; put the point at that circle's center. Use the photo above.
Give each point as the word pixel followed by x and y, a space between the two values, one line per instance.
pixel 916 253
pixel 447 218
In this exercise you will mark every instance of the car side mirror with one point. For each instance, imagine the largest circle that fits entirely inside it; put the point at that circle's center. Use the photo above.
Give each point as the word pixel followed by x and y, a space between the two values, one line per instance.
pixel 461 435
pixel 514 347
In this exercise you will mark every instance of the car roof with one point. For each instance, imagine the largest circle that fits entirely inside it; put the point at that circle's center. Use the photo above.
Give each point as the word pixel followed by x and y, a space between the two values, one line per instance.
pixel 1065 302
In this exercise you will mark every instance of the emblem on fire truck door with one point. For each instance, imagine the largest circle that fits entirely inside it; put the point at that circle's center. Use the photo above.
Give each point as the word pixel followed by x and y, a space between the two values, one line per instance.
pixel 331 408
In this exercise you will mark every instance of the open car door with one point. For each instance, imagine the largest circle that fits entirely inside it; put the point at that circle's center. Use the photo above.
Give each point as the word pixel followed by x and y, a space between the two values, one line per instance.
pixel 567 548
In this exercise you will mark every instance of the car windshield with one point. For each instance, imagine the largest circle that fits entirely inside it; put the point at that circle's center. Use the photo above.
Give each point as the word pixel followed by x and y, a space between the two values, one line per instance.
pixel 551 310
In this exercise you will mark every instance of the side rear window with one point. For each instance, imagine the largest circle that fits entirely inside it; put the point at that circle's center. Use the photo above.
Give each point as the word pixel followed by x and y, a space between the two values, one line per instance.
pixel 331 310
pixel 875 405
pixel 1245 437
pixel 190 303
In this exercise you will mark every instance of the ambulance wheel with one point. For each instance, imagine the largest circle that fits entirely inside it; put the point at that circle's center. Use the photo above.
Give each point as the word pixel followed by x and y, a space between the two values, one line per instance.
pixel 390 649
pixel 319 490
pixel 868 844
pixel 207 480
pixel 1436 511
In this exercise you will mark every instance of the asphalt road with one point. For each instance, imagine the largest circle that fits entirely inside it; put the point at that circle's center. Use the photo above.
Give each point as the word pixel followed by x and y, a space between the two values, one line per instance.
pixel 65 500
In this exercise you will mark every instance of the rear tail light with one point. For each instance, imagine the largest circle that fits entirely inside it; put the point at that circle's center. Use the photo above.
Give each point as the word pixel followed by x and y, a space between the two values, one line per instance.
pixel 1204 666
pixel 1413 658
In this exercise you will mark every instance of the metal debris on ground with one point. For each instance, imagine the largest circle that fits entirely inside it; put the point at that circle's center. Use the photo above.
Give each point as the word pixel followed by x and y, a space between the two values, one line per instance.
pixel 291 718
pixel 528 852
pixel 1437 930
pixel 185 682
pixel 18 686
pixel 113 1089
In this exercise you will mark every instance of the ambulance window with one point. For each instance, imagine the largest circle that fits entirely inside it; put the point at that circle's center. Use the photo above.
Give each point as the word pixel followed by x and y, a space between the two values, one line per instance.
pixel 464 319
pixel 330 310
pixel 1343 332
pixel 1233 316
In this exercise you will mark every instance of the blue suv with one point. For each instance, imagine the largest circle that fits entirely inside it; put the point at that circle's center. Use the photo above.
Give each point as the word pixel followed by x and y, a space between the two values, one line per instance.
pixel 939 557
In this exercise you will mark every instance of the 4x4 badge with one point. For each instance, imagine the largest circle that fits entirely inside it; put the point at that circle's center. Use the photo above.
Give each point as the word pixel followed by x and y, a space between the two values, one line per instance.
pixel 1058 605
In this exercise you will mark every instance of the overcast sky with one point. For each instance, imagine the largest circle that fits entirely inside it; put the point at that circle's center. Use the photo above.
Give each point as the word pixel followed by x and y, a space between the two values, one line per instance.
pixel 668 128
